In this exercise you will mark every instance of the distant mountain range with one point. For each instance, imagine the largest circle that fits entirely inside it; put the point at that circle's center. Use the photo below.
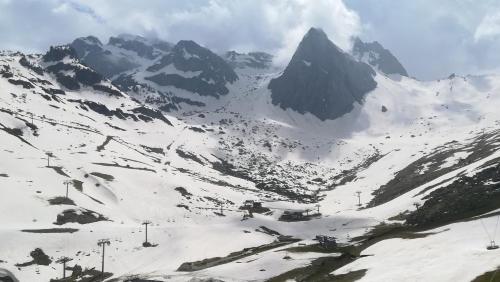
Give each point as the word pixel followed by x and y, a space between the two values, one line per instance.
pixel 320 79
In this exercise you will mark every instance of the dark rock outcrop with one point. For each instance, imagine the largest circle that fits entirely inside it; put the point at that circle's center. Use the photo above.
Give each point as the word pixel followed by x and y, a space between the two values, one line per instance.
pixel 58 53
pixel 63 63
pixel 209 72
pixel 378 57
pixel 39 258
pixel 256 60
pixel 321 79
pixel 149 49
pixel 91 52
pixel 80 216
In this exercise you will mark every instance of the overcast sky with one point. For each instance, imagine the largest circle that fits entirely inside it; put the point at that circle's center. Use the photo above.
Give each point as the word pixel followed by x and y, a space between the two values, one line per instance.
pixel 431 38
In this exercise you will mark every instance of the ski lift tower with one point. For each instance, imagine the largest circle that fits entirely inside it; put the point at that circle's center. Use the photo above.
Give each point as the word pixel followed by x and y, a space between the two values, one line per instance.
pixel 146 223
pixel 49 155
pixel 67 183
pixel 358 193
pixel 492 246
pixel 63 261
pixel 103 243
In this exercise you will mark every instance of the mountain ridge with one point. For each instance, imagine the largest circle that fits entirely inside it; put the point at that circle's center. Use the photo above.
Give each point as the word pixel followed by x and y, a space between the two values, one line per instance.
pixel 410 149
pixel 322 79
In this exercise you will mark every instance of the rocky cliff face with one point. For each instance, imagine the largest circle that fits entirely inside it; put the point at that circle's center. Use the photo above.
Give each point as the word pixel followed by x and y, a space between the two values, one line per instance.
pixel 186 65
pixel 94 54
pixel 321 79
pixel 62 62
pixel 193 68
pixel 255 60
pixel 378 57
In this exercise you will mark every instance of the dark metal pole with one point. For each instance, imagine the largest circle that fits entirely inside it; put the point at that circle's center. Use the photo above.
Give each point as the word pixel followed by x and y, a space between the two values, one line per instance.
pixel 103 242
pixel 102 269
pixel 359 198
pixel 63 261
pixel 145 223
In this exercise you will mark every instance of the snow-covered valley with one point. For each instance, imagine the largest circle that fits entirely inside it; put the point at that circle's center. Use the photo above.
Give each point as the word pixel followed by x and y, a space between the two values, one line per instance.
pixel 424 157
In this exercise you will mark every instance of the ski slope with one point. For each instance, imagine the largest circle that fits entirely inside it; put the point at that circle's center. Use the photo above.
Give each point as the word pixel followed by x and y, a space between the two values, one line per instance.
pixel 129 171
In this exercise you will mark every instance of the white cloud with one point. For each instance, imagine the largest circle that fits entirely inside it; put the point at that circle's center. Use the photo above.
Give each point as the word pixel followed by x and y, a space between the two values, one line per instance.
pixel 244 25
pixel 489 27
pixel 338 22
pixel 275 26
pixel 435 38
pixel 431 38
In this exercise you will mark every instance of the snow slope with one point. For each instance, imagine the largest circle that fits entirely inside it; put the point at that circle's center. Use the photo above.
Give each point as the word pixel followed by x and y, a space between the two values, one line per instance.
pixel 235 148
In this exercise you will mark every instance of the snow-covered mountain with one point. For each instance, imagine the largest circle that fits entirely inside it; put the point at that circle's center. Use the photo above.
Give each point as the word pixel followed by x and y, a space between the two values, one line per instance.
pixel 378 57
pixel 321 79
pixel 237 186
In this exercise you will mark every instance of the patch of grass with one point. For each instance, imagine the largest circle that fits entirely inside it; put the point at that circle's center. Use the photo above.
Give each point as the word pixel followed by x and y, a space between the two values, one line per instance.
pixel 125 166
pixel 61 201
pixel 490 276
pixel 211 262
pixel 59 170
pixel 316 248
pixel 78 185
pixel 320 269
pixel 87 275
pixel 106 142
pixel 466 197
pixel 400 216
pixel 81 216
pixel 184 192
pixel 51 230
pixel 104 176
pixel 350 277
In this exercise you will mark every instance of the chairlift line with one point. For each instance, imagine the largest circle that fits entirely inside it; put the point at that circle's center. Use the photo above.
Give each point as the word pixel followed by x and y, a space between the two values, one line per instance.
pixel 492 244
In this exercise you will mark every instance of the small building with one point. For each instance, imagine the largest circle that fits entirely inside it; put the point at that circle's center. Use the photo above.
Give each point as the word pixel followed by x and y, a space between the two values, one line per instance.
pixel 326 241
pixel 254 207
pixel 248 204
pixel 257 205
pixel 292 215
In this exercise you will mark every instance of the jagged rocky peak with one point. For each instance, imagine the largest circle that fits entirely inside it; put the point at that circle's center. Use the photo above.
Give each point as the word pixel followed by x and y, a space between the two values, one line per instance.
pixel 63 63
pixel 94 54
pixel 86 45
pixel 256 60
pixel 58 53
pixel 121 54
pixel 143 47
pixel 378 57
pixel 194 68
pixel 321 79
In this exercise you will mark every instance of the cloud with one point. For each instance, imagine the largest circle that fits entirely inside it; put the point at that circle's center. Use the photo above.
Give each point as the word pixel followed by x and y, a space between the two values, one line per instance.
pixel 489 27
pixel 243 25
pixel 339 23
pixel 34 25
pixel 435 38
pixel 431 38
